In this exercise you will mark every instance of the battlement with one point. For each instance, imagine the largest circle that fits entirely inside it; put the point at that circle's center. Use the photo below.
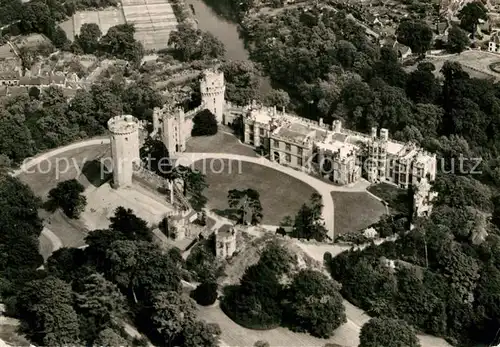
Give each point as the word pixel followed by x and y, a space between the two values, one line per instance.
pixel 123 125
pixel 194 111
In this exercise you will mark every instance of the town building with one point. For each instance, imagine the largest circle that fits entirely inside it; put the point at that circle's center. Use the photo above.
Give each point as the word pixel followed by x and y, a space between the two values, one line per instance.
pixel 336 153
pixel 494 43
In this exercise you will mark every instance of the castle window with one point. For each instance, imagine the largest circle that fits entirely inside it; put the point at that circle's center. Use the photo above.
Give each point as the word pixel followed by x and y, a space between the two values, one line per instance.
pixel 276 143
pixel 299 150
pixel 126 139
pixel 288 147
pixel 299 161
pixel 288 158
pixel 261 131
pixel 214 101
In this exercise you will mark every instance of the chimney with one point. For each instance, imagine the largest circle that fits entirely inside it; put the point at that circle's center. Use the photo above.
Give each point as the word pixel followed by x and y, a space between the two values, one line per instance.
pixel 374 132
pixel 321 122
pixel 337 126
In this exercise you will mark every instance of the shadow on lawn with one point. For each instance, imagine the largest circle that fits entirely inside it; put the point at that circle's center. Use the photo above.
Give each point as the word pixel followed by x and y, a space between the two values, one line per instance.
pixel 96 172
pixel 229 213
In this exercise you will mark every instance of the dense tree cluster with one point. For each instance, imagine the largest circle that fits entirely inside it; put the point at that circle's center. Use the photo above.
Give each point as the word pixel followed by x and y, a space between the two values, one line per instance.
pixel 190 44
pixel 33 124
pixel 311 302
pixel 242 82
pixel 84 296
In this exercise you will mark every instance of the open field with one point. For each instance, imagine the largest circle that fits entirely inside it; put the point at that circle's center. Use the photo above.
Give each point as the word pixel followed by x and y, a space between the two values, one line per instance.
pixel 106 19
pixel 45 176
pixel 475 63
pixel 280 194
pixel 153 21
pixel 218 143
pixel 355 211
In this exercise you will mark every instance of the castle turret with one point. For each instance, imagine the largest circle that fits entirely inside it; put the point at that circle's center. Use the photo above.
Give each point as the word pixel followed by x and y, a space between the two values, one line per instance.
pixel 124 148
pixel 213 88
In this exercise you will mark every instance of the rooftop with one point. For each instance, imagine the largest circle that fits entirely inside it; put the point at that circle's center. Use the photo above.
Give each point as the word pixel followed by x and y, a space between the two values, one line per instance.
pixel 294 131
pixel 225 230
pixel 261 116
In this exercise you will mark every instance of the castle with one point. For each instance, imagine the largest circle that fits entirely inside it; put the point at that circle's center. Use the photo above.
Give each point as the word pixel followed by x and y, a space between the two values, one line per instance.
pixel 341 155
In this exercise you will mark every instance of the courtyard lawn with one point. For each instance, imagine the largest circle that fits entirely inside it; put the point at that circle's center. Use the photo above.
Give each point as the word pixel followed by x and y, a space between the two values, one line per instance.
pixel 219 143
pixel 280 195
pixel 355 211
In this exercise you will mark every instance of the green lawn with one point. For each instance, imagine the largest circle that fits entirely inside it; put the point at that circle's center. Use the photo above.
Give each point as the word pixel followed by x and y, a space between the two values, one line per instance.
pixel 218 143
pixel 45 176
pixel 280 195
pixel 355 211
pixel 397 198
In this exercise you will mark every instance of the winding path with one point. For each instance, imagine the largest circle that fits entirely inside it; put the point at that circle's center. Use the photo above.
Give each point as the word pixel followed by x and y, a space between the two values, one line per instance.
pixel 324 189
pixel 356 316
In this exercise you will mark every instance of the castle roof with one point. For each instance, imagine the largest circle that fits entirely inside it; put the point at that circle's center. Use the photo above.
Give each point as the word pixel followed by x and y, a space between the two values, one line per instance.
pixel 225 230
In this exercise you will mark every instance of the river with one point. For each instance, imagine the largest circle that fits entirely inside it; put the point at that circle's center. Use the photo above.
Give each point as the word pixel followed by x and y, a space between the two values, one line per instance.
pixel 227 32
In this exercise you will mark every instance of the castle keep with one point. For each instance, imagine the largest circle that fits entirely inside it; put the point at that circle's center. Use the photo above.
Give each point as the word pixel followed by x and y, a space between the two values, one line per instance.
pixel 339 154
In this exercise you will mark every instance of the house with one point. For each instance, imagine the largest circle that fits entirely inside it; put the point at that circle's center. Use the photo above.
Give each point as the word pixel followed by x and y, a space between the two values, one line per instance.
pixel 494 43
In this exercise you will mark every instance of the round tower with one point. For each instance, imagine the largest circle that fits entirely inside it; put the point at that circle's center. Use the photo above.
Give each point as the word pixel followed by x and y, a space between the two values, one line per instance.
pixel 213 88
pixel 124 133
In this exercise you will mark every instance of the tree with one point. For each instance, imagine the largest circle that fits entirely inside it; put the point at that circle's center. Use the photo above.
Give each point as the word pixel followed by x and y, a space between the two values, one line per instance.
pixel 36 17
pixel 172 313
pixel 202 334
pixel 470 15
pixel 201 262
pixel 140 98
pixel 204 124
pixel 109 337
pixel 308 222
pixel 133 227
pixel 206 293
pixel 119 42
pixel 141 269
pixel 278 98
pixel 193 185
pixel 191 44
pixel 242 83
pixel 247 202
pixel 458 40
pixel 415 34
pixel 66 263
pixel 45 307
pixel 100 300
pixel 88 40
pixel 387 332
pixel 314 304
pixel 68 196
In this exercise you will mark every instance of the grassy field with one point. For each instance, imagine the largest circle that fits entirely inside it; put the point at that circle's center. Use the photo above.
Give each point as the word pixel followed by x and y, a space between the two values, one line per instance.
pixel 235 335
pixel 219 143
pixel 45 176
pixel 355 211
pixel 280 195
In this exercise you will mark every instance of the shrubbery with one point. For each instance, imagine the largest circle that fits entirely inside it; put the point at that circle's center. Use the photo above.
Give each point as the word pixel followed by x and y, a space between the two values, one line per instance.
pixel 206 293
